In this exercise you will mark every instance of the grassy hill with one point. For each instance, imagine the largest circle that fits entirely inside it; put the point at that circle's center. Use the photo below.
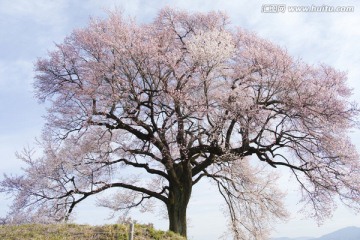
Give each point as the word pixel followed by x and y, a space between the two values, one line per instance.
pixel 82 232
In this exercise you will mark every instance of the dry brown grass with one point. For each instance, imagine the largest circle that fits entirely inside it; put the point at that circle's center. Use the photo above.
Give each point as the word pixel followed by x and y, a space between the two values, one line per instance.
pixel 82 232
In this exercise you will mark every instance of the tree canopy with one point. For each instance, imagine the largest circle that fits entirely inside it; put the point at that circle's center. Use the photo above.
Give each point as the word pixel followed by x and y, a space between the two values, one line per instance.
pixel 152 109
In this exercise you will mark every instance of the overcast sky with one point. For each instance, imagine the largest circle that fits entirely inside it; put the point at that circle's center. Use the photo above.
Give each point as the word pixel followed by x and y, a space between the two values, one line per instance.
pixel 29 28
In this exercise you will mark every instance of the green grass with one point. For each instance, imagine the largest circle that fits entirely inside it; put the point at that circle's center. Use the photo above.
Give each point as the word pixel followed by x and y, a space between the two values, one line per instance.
pixel 82 232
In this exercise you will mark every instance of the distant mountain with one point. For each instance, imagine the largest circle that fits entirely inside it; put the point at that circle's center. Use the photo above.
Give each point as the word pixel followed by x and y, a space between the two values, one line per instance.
pixel 349 233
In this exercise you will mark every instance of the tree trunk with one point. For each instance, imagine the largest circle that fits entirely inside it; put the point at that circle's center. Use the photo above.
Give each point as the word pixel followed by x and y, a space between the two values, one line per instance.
pixel 179 196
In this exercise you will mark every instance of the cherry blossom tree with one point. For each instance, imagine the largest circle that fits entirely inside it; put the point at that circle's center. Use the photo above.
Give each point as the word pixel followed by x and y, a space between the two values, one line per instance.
pixel 151 110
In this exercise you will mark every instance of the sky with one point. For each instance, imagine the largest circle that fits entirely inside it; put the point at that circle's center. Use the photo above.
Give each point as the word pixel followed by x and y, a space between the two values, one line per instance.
pixel 28 29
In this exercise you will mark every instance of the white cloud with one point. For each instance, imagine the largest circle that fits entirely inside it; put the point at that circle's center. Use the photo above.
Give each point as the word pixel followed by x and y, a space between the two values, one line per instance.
pixel 41 11
pixel 16 76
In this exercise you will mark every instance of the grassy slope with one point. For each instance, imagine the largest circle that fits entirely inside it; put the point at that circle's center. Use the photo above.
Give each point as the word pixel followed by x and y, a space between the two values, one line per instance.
pixel 82 232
